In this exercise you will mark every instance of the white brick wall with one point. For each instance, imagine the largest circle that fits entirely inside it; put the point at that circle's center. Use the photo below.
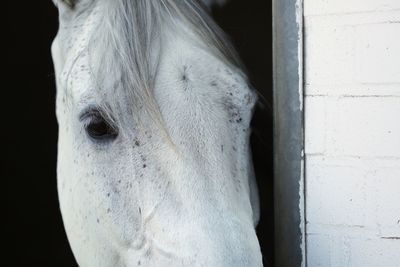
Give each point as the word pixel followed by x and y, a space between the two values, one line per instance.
pixel 352 132
pixel 324 7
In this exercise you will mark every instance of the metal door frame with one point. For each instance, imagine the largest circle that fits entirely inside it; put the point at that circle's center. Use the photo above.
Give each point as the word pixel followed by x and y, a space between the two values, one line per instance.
pixel 289 199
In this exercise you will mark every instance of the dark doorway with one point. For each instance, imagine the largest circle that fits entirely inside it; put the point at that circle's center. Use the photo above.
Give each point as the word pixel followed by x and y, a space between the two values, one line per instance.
pixel 249 24
pixel 34 230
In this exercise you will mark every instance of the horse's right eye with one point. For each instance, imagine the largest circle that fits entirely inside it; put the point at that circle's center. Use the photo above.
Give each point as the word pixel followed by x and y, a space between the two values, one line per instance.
pixel 97 127
pixel 100 129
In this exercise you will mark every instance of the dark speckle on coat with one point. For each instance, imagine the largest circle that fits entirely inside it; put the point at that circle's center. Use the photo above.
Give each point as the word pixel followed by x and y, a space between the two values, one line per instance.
pixel 233 111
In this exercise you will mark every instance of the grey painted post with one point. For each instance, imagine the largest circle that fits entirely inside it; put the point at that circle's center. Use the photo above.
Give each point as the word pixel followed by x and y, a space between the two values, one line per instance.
pixel 288 133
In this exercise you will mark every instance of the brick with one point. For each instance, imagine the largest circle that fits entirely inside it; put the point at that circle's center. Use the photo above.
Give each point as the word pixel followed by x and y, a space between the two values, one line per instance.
pixel 339 251
pixel 377 53
pixel 348 6
pixel 363 126
pixel 356 89
pixel 357 55
pixel 386 196
pixel 335 195
pixel 318 251
pixel 329 53
pixel 315 125
pixel 374 252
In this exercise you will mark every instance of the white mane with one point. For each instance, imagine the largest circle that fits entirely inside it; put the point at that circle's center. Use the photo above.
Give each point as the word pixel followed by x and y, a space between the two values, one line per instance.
pixel 129 40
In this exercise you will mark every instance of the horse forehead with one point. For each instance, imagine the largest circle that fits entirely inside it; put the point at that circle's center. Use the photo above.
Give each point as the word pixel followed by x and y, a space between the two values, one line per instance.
pixel 76 32
pixel 76 27
pixel 184 58
pixel 72 57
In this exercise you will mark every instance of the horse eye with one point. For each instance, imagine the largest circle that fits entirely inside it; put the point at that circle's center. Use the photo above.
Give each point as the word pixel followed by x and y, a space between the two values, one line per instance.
pixel 97 127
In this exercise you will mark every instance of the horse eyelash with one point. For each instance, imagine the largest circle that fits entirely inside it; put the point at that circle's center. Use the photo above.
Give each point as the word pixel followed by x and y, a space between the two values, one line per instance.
pixel 88 112
pixel 88 115
pixel 70 3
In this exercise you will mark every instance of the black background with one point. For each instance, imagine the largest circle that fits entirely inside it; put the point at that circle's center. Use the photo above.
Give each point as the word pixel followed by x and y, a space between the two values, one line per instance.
pixel 34 233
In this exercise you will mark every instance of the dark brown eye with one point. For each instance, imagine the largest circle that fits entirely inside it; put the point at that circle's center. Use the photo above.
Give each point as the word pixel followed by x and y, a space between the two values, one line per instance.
pixel 100 129
pixel 97 127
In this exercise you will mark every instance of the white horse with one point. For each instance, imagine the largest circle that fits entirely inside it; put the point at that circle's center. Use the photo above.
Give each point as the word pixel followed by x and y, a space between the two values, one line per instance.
pixel 154 165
